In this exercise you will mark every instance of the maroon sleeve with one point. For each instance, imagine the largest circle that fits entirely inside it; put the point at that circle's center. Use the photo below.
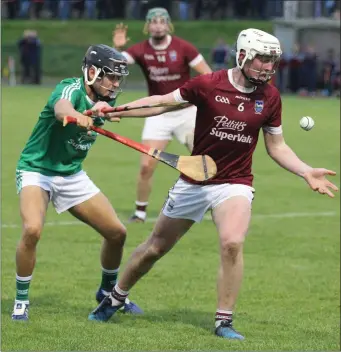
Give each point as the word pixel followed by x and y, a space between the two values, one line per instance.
pixel 273 124
pixel 275 119
pixel 191 52
pixel 196 89
pixel 135 51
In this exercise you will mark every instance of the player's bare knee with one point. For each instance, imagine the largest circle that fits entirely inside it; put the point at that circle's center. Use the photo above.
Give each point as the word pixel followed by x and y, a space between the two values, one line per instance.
pixel 116 235
pixel 156 249
pixel 31 233
pixel 147 170
pixel 231 247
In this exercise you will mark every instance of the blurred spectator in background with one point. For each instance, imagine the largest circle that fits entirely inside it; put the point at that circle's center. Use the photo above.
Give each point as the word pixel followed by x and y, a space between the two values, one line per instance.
pixel 105 9
pixel 199 7
pixel 90 6
pixel 283 73
pixel 52 6
pixel 337 79
pixel 24 8
pixel 78 7
pixel 241 8
pixel 135 9
pixel 64 9
pixel 30 57
pixel 220 55
pixel 37 6
pixel 12 8
pixel 328 72
pixel 330 7
pixel 218 7
pixel 259 9
pixel 309 72
pixel 295 63
pixel 183 9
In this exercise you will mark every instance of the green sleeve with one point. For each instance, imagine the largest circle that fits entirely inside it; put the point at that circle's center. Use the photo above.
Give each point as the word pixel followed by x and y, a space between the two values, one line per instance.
pixel 68 91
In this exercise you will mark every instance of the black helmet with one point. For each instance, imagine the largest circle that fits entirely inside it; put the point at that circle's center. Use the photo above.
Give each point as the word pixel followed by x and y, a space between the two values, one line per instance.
pixel 107 61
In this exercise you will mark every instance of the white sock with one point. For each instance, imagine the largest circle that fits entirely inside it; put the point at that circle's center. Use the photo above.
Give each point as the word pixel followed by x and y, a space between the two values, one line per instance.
pixel 18 301
pixel 118 296
pixel 141 214
pixel 222 315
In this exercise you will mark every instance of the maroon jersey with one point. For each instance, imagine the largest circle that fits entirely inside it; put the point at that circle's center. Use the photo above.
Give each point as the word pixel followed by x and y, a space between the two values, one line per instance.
pixel 165 68
pixel 228 121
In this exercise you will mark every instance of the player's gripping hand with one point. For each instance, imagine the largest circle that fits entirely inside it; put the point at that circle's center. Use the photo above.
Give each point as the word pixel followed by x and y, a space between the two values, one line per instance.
pixel 316 179
pixel 119 36
pixel 84 121
pixel 97 108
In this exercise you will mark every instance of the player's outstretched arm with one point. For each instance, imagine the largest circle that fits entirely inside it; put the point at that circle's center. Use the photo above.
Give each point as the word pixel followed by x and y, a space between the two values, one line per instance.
pixel 64 107
pixel 202 67
pixel 167 101
pixel 280 152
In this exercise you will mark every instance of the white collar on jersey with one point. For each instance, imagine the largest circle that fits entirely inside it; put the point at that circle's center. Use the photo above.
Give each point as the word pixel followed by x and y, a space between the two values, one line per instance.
pixel 89 100
pixel 161 47
pixel 237 86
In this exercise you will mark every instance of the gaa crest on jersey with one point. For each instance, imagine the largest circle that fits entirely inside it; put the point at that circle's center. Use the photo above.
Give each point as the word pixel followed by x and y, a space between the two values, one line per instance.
pixel 259 106
pixel 173 55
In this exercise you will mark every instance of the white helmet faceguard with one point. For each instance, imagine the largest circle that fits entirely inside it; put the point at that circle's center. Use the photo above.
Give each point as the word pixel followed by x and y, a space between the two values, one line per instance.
pixel 255 42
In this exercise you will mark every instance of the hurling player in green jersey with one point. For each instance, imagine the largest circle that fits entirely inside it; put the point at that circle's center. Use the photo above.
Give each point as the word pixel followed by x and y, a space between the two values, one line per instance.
pixel 50 170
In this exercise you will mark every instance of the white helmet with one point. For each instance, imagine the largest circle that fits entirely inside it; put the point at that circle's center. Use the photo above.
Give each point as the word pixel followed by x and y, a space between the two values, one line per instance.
pixel 256 42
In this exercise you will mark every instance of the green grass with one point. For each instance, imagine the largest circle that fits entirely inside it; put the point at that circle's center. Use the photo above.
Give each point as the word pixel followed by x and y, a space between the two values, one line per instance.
pixel 63 50
pixel 290 294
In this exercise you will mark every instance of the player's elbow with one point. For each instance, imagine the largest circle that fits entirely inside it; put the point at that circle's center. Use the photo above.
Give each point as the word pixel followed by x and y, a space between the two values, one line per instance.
pixel 275 149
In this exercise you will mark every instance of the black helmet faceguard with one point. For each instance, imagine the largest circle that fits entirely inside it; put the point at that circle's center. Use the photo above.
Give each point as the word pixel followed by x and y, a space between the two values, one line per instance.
pixel 106 61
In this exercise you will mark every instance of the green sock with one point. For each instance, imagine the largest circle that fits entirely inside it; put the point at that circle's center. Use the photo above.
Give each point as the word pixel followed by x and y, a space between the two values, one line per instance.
pixel 109 278
pixel 22 285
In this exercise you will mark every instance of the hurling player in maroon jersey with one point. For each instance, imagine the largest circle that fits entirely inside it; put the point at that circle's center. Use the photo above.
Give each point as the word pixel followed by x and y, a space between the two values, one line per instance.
pixel 232 107
pixel 166 61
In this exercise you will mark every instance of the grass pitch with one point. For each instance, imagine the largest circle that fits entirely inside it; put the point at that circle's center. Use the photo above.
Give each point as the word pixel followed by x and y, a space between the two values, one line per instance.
pixel 290 298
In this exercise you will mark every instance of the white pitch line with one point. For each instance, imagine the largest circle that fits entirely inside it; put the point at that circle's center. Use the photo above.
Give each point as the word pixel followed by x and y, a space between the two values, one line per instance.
pixel 207 217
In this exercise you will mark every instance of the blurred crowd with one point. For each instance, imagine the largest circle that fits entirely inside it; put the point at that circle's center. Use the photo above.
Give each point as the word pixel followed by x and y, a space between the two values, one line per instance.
pixel 301 72
pixel 179 9
pixel 305 72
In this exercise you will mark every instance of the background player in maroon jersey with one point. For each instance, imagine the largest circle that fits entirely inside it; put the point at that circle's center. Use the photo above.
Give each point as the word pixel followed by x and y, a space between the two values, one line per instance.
pixel 233 106
pixel 165 61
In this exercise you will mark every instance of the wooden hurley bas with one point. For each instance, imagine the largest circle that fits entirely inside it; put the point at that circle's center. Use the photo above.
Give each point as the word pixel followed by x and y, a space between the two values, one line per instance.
pixel 198 167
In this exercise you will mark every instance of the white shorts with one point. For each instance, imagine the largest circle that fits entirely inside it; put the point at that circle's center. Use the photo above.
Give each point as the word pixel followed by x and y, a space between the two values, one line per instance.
pixel 188 201
pixel 177 123
pixel 65 192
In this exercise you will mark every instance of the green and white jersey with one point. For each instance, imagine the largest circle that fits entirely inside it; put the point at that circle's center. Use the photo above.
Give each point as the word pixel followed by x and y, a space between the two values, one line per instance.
pixel 54 150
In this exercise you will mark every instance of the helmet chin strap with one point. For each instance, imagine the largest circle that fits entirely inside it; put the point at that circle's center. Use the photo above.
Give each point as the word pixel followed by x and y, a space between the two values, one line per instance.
pixel 99 96
pixel 115 92
pixel 255 81
pixel 93 89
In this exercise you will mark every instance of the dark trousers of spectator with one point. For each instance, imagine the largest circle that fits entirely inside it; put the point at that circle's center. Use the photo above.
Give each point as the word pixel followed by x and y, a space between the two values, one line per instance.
pixel 281 79
pixel 105 9
pixel 259 8
pixel 218 7
pixel 241 8
pixel 53 6
pixel 31 73
pixel 197 9
pixel 80 8
pixel 309 78
pixel 294 79
pixel 37 8
pixel 12 9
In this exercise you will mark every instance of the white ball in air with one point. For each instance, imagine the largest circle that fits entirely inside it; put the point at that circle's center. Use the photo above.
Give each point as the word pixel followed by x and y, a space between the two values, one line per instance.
pixel 307 123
